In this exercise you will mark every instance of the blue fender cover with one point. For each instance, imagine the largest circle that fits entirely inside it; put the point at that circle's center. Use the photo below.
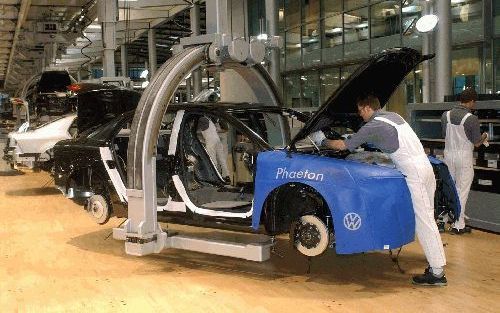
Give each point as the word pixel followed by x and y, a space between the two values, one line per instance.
pixel 370 205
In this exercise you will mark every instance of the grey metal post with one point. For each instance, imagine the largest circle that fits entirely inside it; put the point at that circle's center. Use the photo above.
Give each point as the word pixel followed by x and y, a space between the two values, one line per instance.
pixel 152 51
pixel 107 15
pixel 272 29
pixel 89 69
pixel 426 49
pixel 78 75
pixel 443 51
pixel 123 59
pixel 188 89
pixel 195 29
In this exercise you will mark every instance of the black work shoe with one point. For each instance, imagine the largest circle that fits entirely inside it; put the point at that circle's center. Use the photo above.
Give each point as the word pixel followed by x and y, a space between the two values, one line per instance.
pixel 429 279
pixel 441 227
pixel 465 230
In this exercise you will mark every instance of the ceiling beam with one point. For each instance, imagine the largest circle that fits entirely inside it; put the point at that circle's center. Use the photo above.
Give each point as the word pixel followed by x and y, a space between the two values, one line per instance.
pixel 23 13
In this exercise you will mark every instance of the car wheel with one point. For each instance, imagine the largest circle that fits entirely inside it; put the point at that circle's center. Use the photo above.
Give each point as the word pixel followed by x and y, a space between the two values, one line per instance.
pixel 309 235
pixel 99 209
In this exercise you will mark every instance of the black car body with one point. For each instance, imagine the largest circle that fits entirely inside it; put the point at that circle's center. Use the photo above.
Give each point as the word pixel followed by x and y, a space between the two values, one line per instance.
pixel 95 163
pixel 51 96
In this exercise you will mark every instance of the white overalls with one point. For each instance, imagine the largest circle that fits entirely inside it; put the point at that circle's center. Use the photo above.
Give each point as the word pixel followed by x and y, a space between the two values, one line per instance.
pixel 215 148
pixel 458 156
pixel 410 159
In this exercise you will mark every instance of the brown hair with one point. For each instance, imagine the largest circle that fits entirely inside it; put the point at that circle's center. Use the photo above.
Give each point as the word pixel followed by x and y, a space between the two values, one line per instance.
pixel 370 101
pixel 469 94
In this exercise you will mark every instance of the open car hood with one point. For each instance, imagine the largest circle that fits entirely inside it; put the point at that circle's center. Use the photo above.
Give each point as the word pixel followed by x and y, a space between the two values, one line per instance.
pixel 379 76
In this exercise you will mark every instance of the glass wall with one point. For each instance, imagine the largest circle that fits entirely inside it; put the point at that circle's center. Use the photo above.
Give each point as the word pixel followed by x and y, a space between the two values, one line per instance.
pixel 325 37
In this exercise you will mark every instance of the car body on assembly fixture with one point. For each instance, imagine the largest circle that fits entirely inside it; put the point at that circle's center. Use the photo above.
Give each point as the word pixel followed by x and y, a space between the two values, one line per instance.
pixel 94 104
pixel 278 184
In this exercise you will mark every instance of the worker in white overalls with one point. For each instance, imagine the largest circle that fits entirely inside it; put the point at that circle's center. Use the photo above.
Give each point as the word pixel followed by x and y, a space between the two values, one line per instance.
pixel 390 133
pixel 461 131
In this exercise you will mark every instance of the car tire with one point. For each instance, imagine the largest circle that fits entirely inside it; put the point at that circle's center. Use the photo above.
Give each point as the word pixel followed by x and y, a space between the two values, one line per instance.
pixel 309 235
pixel 98 207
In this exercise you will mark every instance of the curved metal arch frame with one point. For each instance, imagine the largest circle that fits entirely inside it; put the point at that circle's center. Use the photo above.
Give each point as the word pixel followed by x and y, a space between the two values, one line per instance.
pixel 144 236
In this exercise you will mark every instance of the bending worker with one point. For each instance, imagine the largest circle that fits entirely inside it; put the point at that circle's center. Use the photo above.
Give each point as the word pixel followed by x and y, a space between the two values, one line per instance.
pixel 462 133
pixel 390 133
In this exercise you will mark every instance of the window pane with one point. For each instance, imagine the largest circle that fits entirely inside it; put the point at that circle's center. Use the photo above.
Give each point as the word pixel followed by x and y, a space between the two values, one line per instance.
pixel 496 16
pixel 332 39
pixel 330 81
pixel 467 20
pixel 311 46
pixel 333 31
pixel 292 42
pixel 496 62
pixel 411 13
pixel 385 19
pixel 282 54
pixel 332 7
pixel 292 13
pixel 310 9
pixel 281 16
pixel 356 33
pixel 346 71
pixel 465 69
pixel 292 90
pixel 356 25
pixel 351 4
pixel 310 83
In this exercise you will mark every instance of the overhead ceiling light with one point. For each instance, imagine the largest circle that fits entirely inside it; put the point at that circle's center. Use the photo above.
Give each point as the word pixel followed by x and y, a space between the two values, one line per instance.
pixel 427 23
pixel 94 26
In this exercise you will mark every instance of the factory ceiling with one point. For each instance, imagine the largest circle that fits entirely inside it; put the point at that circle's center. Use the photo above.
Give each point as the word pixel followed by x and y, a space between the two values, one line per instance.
pixel 65 34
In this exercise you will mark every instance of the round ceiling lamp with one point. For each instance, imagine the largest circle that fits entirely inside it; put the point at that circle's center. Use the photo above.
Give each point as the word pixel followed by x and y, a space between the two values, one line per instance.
pixel 427 23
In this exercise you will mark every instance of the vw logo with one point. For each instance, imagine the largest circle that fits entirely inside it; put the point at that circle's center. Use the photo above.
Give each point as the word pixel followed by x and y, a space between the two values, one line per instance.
pixel 352 221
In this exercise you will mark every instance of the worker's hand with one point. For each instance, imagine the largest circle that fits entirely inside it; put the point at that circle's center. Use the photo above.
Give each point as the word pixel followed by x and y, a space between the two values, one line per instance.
pixel 485 139
pixel 317 137
pixel 338 145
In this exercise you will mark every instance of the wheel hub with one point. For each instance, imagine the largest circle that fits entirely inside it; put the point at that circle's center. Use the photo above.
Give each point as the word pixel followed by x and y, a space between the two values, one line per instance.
pixel 96 209
pixel 309 235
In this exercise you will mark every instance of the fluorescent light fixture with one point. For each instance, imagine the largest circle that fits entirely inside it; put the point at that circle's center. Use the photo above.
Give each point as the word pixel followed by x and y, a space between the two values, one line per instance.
pixel 144 74
pixel 362 25
pixel 427 23
pixel 418 71
pixel 94 26
pixel 411 8
pixel 173 37
pixel 262 36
